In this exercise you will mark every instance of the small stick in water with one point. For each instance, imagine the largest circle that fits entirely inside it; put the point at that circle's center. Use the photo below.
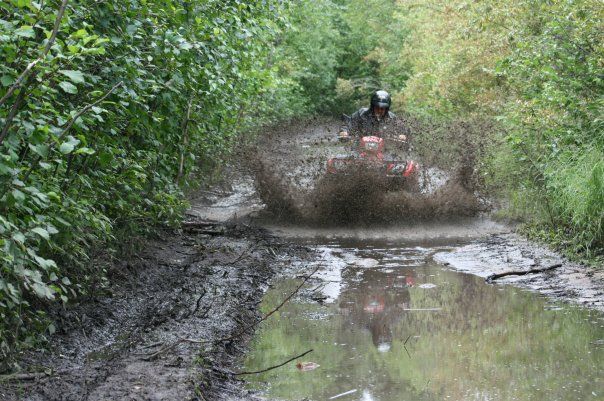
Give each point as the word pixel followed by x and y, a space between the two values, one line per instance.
pixel 274 367
pixel 343 394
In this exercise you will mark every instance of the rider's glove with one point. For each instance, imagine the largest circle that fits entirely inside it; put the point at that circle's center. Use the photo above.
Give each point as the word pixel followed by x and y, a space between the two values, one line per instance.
pixel 402 138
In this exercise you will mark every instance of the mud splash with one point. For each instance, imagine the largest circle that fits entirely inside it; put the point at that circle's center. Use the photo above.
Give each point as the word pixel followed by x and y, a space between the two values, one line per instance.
pixel 289 168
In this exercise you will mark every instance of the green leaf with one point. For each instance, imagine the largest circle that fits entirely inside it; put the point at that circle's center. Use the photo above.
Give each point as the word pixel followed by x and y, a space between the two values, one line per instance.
pixel 26 31
pixel 75 76
pixel 40 150
pixel 66 148
pixel 18 196
pixel 45 263
pixel 80 33
pixel 62 221
pixel 6 80
pixel 41 232
pixel 43 291
pixel 69 146
pixel 5 169
pixel 68 87
pixel 86 151
pixel 18 237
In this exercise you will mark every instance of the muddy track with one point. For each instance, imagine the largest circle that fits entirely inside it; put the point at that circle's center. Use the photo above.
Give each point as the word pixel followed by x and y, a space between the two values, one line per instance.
pixel 202 284
pixel 154 335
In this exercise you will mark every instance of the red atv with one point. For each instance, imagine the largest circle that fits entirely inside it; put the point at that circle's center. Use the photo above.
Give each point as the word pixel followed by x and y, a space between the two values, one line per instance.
pixel 369 156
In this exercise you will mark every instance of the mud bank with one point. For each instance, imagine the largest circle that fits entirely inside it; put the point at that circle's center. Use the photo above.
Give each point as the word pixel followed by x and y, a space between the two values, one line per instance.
pixel 509 253
pixel 203 284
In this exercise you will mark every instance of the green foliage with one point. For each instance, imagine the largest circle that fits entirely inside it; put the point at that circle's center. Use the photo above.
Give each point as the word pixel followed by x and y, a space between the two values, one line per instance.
pixel 133 101
pixel 534 69
pixel 105 121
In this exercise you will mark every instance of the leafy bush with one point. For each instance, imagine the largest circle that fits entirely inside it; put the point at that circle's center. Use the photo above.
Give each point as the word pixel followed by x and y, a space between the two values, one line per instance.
pixel 108 109
pixel 534 69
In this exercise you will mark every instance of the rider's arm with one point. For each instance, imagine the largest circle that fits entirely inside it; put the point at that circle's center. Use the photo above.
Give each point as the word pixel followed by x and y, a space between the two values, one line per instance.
pixel 349 127
pixel 344 131
pixel 355 124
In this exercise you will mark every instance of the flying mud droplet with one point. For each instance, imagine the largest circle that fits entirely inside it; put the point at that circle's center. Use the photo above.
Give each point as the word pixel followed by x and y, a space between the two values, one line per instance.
pixel 289 165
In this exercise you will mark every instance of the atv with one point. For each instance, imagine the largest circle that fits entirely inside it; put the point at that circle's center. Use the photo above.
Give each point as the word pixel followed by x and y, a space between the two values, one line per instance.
pixel 368 156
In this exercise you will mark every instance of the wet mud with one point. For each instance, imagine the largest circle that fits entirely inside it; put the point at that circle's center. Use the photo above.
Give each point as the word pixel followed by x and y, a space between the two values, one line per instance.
pixel 171 325
pixel 202 284
pixel 503 253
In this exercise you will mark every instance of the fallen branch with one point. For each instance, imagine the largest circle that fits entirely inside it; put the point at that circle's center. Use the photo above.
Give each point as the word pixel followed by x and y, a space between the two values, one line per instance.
pixel 251 326
pixel 23 376
pixel 244 253
pixel 169 347
pixel 205 312
pixel 197 304
pixel 493 277
pixel 343 394
pixel 198 224
pixel 274 367
pixel 405 346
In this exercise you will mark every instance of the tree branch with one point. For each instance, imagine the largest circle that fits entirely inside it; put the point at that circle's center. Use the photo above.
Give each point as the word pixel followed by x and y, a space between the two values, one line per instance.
pixel 11 115
pixel 251 326
pixel 30 66
pixel 493 277
pixel 274 367
pixel 70 123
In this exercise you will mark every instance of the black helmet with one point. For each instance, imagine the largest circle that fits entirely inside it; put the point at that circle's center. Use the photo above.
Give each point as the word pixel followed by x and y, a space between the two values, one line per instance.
pixel 381 99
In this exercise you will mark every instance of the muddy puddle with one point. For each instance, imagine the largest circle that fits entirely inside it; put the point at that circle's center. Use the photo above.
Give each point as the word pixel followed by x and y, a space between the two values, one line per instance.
pixel 386 322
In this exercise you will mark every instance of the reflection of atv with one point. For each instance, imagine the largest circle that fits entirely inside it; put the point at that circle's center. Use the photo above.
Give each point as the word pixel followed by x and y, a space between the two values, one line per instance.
pixel 370 157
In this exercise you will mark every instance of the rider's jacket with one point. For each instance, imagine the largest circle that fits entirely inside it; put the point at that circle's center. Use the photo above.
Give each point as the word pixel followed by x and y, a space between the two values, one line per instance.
pixel 364 122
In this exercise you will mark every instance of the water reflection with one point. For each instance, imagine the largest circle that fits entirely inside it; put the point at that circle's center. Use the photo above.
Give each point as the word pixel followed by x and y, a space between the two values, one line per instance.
pixel 376 303
pixel 403 328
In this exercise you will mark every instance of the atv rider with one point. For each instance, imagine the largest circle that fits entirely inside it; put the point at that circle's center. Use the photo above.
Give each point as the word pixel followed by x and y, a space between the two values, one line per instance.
pixel 372 120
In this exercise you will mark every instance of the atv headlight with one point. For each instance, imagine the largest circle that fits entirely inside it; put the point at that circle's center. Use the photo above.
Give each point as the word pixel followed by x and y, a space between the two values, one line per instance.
pixel 371 145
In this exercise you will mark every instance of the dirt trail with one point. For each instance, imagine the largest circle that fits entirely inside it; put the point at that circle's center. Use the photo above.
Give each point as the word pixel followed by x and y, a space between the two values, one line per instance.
pixel 204 283
pixel 291 180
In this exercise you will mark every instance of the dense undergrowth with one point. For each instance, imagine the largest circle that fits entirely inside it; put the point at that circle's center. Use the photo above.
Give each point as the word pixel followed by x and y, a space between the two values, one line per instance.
pixel 110 110
pixel 535 69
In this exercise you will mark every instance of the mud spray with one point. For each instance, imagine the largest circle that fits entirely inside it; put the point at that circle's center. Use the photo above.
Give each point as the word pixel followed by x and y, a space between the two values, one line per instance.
pixel 289 164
